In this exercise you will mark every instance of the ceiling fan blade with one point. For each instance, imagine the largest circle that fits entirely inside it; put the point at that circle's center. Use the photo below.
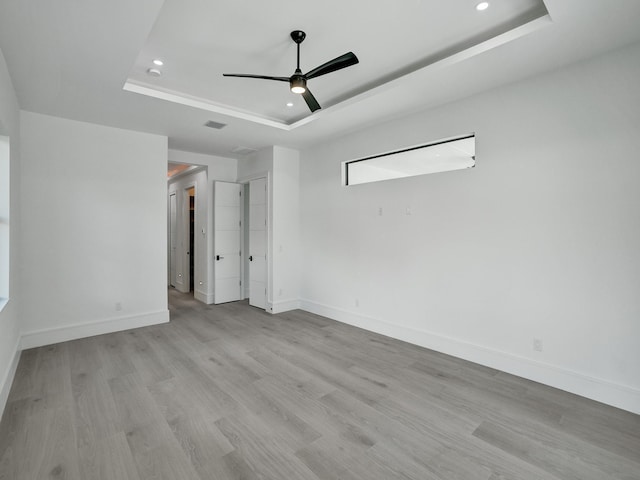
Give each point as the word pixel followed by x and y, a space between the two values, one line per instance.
pixel 263 77
pixel 337 63
pixel 312 103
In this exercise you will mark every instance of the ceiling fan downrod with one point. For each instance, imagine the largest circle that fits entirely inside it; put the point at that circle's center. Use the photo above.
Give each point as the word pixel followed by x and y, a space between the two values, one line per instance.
pixel 298 37
pixel 298 82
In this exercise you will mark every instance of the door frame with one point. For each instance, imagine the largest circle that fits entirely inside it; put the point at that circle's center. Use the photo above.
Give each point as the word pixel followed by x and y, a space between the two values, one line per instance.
pixel 245 181
pixel 186 267
pixel 172 280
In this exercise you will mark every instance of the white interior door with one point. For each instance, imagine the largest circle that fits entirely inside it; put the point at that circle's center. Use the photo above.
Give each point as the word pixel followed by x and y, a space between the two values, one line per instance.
pixel 226 220
pixel 173 238
pixel 258 243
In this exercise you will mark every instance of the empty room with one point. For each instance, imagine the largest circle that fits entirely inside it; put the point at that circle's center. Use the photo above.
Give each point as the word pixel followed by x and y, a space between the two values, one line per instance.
pixel 320 240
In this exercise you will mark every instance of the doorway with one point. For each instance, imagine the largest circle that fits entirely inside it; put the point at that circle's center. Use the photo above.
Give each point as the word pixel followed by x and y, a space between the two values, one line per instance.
pixel 191 252
pixel 188 240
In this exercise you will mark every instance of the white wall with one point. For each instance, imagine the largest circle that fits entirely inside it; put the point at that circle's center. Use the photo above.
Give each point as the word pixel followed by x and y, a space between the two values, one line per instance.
pixel 217 169
pixel 540 240
pixel 96 237
pixel 9 326
pixel 286 229
pixel 281 167
pixel 256 165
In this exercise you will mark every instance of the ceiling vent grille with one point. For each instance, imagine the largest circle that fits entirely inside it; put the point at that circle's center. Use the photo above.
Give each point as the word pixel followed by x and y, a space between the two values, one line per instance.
pixel 216 125
pixel 243 150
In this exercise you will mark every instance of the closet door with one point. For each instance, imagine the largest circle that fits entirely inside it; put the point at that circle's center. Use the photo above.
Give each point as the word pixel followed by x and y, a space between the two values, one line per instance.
pixel 227 208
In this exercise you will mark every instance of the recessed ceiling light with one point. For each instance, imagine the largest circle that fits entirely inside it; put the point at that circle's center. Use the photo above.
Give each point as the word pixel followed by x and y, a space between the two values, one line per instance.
pixel 154 72
pixel 482 6
pixel 158 62
pixel 290 104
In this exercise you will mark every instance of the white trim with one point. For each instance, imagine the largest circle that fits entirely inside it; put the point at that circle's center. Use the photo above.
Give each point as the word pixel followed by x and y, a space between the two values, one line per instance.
pixel 284 306
pixel 204 297
pixel 185 283
pixel 173 96
pixel 48 336
pixel 171 281
pixel 254 176
pixel 7 380
pixel 601 390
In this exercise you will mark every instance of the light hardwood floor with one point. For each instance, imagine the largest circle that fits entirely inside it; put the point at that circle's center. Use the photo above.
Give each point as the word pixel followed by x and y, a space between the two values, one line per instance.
pixel 230 392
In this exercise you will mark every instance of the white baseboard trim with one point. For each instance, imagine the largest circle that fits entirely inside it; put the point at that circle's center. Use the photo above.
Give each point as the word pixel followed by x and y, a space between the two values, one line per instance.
pixel 7 379
pixel 284 306
pixel 203 297
pixel 620 396
pixel 65 333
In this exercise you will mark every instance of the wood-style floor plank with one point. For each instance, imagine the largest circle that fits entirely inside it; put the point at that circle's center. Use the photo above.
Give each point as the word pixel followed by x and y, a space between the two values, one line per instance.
pixel 230 392
pixel 262 450
pixel 108 459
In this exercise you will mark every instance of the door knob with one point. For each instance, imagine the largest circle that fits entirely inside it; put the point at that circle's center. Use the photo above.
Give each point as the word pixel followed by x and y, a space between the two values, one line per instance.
pixel 218 257
pixel 251 258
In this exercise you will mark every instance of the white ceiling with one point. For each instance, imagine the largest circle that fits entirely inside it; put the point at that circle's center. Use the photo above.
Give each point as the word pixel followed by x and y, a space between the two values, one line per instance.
pixel 74 59
pixel 198 43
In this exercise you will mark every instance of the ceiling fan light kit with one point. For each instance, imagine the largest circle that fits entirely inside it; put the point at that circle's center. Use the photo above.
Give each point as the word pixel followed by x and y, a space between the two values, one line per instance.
pixel 298 84
pixel 298 81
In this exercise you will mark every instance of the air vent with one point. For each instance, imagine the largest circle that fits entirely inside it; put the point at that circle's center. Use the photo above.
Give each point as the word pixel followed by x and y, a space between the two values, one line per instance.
pixel 243 150
pixel 216 125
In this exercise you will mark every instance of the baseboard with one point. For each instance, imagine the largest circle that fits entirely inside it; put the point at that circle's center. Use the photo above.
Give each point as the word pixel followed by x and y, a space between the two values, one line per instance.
pixel 284 306
pixel 65 333
pixel 620 396
pixel 203 297
pixel 7 379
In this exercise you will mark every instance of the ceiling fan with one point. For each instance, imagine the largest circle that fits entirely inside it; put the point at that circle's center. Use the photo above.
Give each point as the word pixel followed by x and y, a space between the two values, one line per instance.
pixel 298 81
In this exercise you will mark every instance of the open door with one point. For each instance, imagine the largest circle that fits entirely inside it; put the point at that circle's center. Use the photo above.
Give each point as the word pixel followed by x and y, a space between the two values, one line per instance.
pixel 258 243
pixel 227 208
